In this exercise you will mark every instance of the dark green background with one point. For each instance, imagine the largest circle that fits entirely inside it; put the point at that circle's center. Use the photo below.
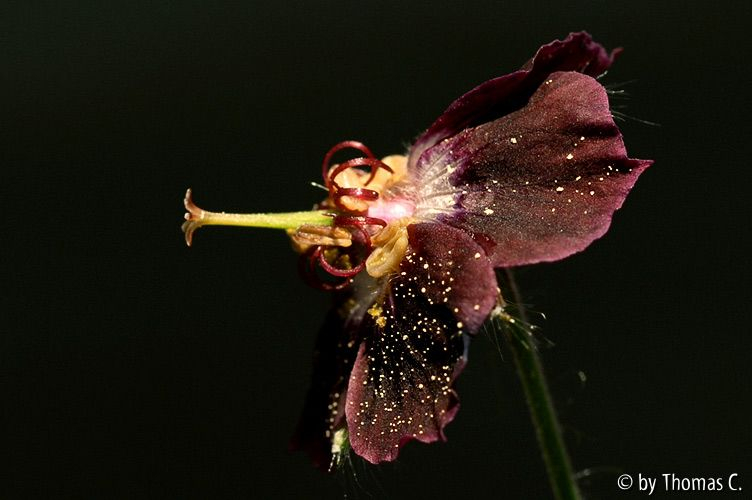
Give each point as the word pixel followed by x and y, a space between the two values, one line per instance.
pixel 133 367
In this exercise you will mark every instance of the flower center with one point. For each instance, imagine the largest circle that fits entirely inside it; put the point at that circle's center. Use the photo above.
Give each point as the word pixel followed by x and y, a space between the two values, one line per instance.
pixel 369 229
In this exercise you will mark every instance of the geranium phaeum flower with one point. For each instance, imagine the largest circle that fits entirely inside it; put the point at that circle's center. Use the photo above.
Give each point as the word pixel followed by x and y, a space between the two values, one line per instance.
pixel 527 167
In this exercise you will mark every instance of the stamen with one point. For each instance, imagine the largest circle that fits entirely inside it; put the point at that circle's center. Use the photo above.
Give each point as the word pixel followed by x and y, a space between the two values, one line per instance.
pixel 317 255
pixel 335 271
pixel 308 235
pixel 352 199
pixel 307 270
pixel 360 222
pixel 339 147
pixel 358 196
pixel 373 163
pixel 391 245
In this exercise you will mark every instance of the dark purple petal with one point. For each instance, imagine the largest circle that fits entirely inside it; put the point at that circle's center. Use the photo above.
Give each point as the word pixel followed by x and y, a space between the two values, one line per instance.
pixel 449 268
pixel 323 412
pixel 499 96
pixel 578 52
pixel 401 385
pixel 538 184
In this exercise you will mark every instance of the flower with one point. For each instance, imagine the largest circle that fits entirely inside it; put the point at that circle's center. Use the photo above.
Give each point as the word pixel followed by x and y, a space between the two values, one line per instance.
pixel 527 167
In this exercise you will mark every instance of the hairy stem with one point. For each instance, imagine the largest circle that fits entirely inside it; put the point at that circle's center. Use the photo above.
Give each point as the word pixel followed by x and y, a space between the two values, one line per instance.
pixel 539 402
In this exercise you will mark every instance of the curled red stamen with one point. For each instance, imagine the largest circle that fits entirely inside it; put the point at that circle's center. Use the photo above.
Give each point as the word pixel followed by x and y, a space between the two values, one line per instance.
pixel 373 163
pixel 339 147
pixel 360 222
pixel 359 193
pixel 336 271
pixel 307 270
pixel 314 260
pixel 336 192
pixel 316 255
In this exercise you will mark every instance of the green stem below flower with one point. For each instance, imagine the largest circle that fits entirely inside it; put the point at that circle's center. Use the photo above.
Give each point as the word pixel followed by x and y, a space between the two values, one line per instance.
pixel 539 402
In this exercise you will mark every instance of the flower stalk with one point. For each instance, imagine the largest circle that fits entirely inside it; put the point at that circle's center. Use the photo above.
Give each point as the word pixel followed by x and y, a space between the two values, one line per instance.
pixel 542 412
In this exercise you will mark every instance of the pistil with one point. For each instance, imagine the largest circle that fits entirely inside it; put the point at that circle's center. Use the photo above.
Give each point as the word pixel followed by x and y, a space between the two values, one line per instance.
pixel 197 217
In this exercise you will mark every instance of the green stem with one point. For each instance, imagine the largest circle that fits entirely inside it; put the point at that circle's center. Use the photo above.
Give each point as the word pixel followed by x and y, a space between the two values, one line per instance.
pixel 539 402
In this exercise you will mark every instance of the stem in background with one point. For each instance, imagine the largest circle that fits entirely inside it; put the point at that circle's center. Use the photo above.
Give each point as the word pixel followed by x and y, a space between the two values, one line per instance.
pixel 539 402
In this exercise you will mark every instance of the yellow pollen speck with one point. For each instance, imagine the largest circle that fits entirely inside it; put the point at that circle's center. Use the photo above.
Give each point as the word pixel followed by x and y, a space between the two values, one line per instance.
pixel 488 211
pixel 459 324
pixel 570 156
pixel 376 314
pixel 513 140
pixel 592 193
pixel 559 189
pixel 477 255
pixel 476 307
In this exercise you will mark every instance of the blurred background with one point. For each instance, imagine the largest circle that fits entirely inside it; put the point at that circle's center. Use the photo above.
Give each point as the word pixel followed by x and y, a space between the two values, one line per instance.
pixel 134 367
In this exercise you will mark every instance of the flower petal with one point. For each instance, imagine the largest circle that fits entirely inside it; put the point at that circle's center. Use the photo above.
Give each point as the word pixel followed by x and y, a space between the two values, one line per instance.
pixel 538 184
pixel 449 268
pixel 499 96
pixel 323 412
pixel 401 384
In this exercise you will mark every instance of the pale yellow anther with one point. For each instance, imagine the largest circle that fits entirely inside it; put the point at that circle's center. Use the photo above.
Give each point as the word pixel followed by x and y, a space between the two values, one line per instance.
pixel 390 247
pixel 309 235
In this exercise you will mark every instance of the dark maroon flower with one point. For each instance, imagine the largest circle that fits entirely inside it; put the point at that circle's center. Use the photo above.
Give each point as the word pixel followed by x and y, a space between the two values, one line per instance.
pixel 527 167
